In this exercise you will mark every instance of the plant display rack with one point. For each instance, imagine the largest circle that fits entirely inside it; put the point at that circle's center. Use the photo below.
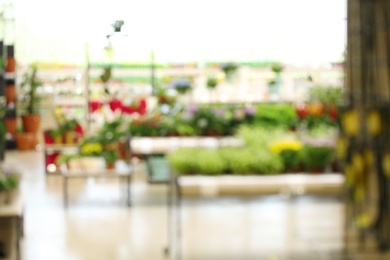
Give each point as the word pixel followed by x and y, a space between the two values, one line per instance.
pixel 8 76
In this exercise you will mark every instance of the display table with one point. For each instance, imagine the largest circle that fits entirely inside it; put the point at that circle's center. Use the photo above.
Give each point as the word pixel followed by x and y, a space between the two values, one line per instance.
pixel 11 227
pixel 246 185
pixel 122 171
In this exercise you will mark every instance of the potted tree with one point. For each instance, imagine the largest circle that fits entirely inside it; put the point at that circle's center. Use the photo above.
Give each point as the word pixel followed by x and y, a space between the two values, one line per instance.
pixel 30 101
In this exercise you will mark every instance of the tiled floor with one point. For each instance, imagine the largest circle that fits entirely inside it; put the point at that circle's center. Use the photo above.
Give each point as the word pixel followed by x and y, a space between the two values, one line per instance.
pixel 97 225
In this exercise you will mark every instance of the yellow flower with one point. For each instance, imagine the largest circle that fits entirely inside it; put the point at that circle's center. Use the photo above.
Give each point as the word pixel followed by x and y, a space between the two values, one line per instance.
pixel 280 145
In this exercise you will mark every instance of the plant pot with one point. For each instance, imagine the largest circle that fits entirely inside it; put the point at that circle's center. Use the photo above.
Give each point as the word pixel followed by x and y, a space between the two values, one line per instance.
pixel 10 125
pixel 23 141
pixel 110 165
pixel 10 94
pixel 34 141
pixel 3 198
pixel 112 147
pixel 57 139
pixel 31 123
pixel 69 137
pixel 10 196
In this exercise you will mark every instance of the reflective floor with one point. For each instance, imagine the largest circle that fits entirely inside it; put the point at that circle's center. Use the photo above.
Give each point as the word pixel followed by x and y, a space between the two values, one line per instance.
pixel 97 225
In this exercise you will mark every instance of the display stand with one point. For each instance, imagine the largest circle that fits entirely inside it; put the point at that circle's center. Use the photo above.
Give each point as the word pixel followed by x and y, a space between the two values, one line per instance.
pixel 290 184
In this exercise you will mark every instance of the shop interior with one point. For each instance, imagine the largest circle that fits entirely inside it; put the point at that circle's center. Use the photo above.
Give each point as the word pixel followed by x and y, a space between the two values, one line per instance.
pixel 225 130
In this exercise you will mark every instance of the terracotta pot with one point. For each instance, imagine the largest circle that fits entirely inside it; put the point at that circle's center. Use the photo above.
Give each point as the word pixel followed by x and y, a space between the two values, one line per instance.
pixel 31 122
pixel 34 141
pixel 10 125
pixel 69 137
pixel 112 147
pixel 23 141
pixel 110 166
pixel 10 94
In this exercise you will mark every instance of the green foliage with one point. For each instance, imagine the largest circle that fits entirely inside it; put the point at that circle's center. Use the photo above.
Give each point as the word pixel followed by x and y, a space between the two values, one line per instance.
pixel 256 136
pixel 110 156
pixel 276 115
pixel 29 99
pixel 65 158
pixel 68 125
pixel 209 162
pixel 56 132
pixel 183 160
pixel 212 82
pixel 291 159
pixel 316 157
pixel 328 95
pixel 111 132
pixel 8 182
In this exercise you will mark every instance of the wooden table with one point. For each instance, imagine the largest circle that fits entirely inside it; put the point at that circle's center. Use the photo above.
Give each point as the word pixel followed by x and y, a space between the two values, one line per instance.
pixel 15 213
pixel 122 171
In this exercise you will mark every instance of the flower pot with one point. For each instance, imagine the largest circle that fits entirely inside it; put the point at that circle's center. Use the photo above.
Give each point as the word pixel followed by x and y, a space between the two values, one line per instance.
pixel 34 141
pixel 10 196
pixel 110 165
pixel 23 141
pixel 112 147
pixel 69 137
pixel 10 94
pixel 57 139
pixel 3 198
pixel 10 125
pixel 31 122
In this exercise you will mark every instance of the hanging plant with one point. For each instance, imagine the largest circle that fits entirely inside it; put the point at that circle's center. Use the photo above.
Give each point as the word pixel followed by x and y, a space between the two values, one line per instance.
pixel 117 25
pixel 229 68
pixel 212 82
pixel 182 85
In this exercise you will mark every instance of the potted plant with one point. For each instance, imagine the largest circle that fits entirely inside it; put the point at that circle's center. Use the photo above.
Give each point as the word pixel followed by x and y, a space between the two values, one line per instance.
pixel 57 135
pixel 30 101
pixel 24 140
pixel 182 85
pixel 212 82
pixel 229 68
pixel 67 128
pixel 110 157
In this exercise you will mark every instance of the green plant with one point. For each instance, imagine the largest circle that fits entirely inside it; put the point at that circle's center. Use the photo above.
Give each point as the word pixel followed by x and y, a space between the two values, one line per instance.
pixel 110 156
pixel 212 82
pixel 68 125
pixel 327 95
pixel 111 132
pixel 316 157
pixel 183 160
pixel 276 115
pixel 65 158
pixel 8 182
pixel 209 162
pixel 56 132
pixel 30 101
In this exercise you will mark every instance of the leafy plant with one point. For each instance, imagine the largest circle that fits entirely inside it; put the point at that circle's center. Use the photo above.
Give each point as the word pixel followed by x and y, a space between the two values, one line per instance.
pixel 212 82
pixel 183 160
pixel 110 156
pixel 30 101
pixel 210 162
pixel 316 157
pixel 8 182
pixel 276 115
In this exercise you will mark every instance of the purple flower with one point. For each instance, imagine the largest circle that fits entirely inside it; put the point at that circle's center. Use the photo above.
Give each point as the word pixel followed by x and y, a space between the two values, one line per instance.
pixel 192 109
pixel 219 111
pixel 249 111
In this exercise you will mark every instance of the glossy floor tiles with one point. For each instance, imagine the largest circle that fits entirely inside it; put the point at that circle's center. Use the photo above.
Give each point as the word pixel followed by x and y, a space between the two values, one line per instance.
pixel 97 225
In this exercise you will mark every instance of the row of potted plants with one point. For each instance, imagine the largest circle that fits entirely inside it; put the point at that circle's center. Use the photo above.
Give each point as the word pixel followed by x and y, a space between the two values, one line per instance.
pixel 266 151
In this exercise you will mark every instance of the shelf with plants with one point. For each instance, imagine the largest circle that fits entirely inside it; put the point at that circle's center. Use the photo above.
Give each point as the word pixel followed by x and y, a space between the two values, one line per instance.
pixel 106 145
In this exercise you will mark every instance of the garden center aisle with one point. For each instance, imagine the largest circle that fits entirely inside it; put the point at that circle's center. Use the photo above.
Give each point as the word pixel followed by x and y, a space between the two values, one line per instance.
pixel 97 225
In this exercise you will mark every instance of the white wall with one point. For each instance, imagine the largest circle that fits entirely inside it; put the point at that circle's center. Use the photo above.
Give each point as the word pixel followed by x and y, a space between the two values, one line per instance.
pixel 299 31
